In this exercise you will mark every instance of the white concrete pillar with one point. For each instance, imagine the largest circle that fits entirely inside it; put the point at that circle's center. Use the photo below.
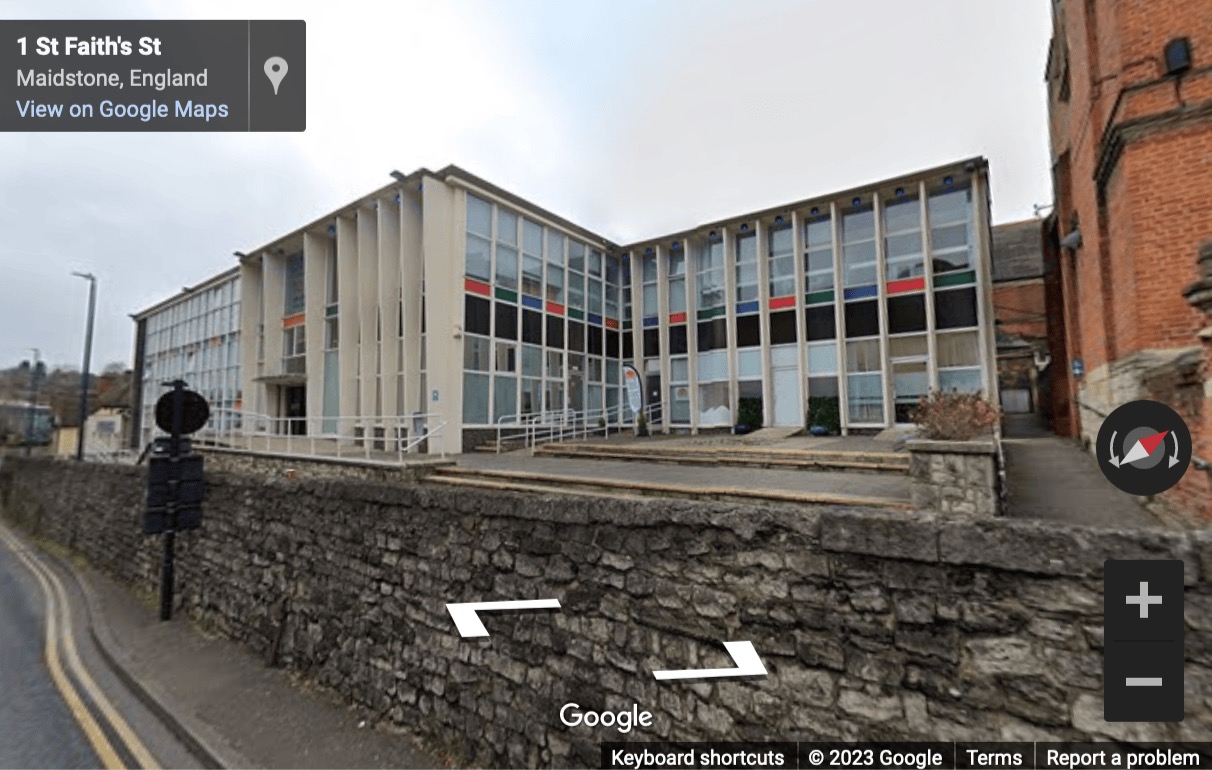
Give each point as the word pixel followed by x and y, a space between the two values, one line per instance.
pixel 444 215
pixel 762 236
pixel 347 325
pixel 734 388
pixel 839 316
pixel 412 265
pixel 982 254
pixel 315 280
pixel 251 299
pixel 798 247
pixel 881 306
pixel 389 303
pixel 368 312
pixel 928 272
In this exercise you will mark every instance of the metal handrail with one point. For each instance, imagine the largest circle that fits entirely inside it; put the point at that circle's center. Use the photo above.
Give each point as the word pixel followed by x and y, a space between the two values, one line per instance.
pixel 322 436
pixel 539 427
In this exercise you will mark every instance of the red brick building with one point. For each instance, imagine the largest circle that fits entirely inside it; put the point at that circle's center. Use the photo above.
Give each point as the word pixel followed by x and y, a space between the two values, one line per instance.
pixel 1130 106
pixel 1019 306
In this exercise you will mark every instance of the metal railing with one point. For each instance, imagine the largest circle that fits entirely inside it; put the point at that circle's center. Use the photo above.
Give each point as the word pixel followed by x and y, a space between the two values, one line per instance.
pixel 532 429
pixel 377 437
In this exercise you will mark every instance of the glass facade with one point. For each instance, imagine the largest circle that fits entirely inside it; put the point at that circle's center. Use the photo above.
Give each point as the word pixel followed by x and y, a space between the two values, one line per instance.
pixel 888 281
pixel 543 341
pixel 197 339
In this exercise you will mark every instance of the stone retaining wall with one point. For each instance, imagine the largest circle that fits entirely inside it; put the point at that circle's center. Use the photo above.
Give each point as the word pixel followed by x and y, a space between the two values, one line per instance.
pixel 955 477
pixel 871 625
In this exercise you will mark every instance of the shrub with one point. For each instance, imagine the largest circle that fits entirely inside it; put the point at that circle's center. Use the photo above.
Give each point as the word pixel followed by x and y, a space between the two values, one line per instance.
pixel 955 416
pixel 749 413
pixel 826 412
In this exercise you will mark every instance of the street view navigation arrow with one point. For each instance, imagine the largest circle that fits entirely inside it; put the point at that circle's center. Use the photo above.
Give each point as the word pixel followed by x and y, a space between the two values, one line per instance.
pixel 747 664
pixel 469 624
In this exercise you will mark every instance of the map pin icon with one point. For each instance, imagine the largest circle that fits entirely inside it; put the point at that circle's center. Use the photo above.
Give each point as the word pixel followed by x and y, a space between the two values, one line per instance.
pixel 275 70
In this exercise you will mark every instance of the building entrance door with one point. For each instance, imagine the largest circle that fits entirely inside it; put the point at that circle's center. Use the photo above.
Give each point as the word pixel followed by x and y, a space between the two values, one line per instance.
pixel 785 385
pixel 295 410
pixel 652 399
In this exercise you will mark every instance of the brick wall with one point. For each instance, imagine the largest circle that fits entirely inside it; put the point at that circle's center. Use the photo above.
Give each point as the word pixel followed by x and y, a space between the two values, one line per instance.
pixel 871 625
pixel 1133 155
pixel 1019 307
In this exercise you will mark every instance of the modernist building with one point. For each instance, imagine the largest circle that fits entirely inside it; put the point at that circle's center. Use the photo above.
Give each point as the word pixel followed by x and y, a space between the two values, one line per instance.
pixel 194 336
pixel 1130 111
pixel 443 296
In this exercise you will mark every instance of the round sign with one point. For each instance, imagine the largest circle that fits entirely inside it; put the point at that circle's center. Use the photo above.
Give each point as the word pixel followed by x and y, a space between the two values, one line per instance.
pixel 1144 447
pixel 194 412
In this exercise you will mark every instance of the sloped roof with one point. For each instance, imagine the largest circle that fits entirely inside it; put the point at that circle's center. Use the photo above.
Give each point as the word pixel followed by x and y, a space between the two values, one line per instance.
pixel 1018 250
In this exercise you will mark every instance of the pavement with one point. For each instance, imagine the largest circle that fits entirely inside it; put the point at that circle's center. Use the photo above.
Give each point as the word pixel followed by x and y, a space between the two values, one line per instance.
pixel 1050 478
pixel 889 486
pixel 224 703
pixel 766 437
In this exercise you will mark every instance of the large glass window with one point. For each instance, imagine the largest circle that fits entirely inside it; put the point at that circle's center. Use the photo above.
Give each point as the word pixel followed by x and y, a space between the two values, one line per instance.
pixel 555 266
pixel 782 262
pixel 712 335
pixel 330 294
pixel 650 286
pixel 677 281
pixel 476 354
pixel 507 227
pixel 818 254
pixel 576 275
pixel 903 237
pixel 504 402
pixel 955 308
pixel 709 275
pixel 295 296
pixel 479 238
pixel 950 212
pixel 858 245
pixel 714 408
pixel 612 285
pixel 507 267
pixel 625 264
pixel 746 268
pixel 679 391
pixel 959 361
pixel 906 313
pixel 532 258
pixel 476 315
pixel 821 321
pixel 475 398
pixel 783 329
pixel 506 321
pixel 862 319
pixel 864 382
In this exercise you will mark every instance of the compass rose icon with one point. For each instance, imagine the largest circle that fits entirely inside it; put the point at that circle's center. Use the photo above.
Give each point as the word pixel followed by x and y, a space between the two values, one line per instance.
pixel 1144 447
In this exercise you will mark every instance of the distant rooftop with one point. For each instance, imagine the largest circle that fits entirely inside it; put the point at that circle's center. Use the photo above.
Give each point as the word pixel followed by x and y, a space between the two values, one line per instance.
pixel 1018 250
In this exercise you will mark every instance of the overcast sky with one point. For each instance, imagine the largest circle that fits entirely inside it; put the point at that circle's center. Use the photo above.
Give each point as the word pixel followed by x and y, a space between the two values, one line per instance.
pixel 629 117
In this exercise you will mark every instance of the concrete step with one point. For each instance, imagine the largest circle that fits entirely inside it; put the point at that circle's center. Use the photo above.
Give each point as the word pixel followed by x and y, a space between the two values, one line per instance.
pixel 525 481
pixel 754 457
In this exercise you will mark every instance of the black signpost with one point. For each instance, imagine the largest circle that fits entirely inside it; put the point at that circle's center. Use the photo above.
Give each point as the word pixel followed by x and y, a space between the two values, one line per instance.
pixel 175 484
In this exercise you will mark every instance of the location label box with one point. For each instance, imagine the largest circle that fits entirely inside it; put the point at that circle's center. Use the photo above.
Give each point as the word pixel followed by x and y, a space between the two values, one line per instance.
pixel 153 75
pixel 1143 641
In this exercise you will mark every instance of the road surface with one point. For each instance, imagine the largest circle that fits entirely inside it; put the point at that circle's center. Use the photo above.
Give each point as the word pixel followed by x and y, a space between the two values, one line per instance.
pixel 61 706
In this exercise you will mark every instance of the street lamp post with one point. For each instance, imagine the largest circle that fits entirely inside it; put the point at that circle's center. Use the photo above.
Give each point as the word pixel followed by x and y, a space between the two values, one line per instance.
pixel 88 352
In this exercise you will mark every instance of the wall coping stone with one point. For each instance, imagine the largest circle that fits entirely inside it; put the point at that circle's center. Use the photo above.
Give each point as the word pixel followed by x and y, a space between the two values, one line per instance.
pixel 352 461
pixel 981 446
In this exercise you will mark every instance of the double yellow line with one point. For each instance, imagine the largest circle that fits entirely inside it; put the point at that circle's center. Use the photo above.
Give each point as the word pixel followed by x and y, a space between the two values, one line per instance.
pixel 59 633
